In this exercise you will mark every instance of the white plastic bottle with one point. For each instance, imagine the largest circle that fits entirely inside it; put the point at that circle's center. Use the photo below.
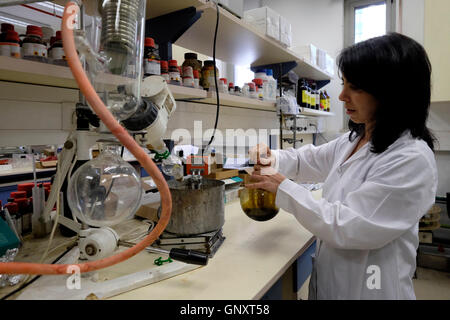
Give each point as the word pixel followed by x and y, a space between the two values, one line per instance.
pixel 271 86
pixel 262 74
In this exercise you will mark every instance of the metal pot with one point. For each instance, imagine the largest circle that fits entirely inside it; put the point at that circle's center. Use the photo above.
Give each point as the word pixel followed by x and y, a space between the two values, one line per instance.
pixel 196 211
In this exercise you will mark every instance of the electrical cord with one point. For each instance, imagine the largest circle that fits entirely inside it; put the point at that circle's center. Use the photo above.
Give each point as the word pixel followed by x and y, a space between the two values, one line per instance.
pixel 215 80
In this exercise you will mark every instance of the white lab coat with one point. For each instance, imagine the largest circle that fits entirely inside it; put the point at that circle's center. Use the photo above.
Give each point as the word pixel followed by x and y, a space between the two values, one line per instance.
pixel 367 220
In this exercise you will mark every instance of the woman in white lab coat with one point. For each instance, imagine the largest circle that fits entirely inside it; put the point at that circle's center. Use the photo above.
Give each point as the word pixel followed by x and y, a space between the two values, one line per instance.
pixel 378 179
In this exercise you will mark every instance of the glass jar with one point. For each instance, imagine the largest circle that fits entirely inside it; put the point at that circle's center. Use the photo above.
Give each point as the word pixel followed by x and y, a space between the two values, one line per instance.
pixel 190 60
pixel 258 204
pixel 174 72
pixel 33 47
pixel 207 79
pixel 56 51
pixel 151 58
pixel 10 44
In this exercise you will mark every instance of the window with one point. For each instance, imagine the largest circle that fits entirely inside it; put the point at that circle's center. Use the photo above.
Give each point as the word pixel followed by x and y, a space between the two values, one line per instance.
pixel 370 21
pixel 365 19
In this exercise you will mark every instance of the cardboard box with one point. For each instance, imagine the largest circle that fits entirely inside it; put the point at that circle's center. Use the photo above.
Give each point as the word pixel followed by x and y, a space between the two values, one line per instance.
pixel 330 65
pixel 221 174
pixel 265 20
pixel 307 52
pixel 321 59
pixel 285 32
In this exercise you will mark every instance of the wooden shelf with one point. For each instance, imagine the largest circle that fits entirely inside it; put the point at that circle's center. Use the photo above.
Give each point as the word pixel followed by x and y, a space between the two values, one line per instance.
pixel 239 102
pixel 187 93
pixel 32 72
pixel 316 113
pixel 237 42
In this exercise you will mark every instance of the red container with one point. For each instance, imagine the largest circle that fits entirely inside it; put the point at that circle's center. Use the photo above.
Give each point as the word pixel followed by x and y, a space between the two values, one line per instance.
pixel 18 194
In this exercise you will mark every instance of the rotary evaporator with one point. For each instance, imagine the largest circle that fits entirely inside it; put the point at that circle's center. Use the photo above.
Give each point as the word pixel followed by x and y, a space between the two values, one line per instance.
pixel 117 109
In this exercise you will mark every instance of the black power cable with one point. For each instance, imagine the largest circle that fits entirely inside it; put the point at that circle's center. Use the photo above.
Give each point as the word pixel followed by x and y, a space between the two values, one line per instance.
pixel 215 80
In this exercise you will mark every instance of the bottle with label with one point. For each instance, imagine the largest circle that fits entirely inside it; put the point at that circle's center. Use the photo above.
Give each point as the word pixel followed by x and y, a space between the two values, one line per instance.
pixel 223 85
pixel 252 90
pixel 207 80
pixel 152 64
pixel 302 98
pixel 327 97
pixel 33 47
pixel 5 27
pixel 316 96
pixel 196 79
pixel 56 52
pixel 188 76
pixel 165 70
pixel 246 90
pixel 174 73
pixel 271 86
pixel 322 101
pixel 190 59
pixel 259 88
pixel 10 44
pixel 231 88
pixel 312 99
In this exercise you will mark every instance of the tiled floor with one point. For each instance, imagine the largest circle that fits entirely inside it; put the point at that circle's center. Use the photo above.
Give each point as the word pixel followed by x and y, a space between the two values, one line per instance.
pixel 432 284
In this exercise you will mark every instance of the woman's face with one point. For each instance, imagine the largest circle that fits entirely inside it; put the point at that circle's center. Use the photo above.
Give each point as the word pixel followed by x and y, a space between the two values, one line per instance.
pixel 359 105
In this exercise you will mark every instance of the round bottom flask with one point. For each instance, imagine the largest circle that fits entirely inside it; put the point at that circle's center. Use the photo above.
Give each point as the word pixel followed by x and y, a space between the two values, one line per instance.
pixel 106 190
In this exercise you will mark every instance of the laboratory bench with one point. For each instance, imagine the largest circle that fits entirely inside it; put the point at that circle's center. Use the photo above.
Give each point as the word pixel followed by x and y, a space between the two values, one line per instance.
pixel 257 260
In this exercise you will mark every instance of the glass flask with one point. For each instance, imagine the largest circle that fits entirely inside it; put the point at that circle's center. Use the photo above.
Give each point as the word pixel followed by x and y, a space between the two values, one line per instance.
pixel 173 166
pixel 258 204
pixel 106 190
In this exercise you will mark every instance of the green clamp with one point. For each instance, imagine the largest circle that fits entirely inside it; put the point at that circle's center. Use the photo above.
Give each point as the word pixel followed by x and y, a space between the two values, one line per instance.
pixel 160 261
pixel 161 156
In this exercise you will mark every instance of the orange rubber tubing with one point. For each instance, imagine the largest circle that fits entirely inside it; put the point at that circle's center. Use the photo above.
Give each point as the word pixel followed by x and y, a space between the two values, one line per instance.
pixel 100 109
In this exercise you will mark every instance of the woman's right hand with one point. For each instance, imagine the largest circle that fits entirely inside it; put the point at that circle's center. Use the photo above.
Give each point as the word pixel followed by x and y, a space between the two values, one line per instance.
pixel 261 155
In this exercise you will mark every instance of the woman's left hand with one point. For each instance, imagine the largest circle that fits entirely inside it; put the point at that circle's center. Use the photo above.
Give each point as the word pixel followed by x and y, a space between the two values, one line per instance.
pixel 267 182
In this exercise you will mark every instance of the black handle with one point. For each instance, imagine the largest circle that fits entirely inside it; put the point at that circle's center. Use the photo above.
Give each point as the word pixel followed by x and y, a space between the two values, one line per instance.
pixel 189 256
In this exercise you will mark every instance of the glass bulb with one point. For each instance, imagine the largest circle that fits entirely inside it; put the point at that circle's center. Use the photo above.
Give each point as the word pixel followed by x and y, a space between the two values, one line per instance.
pixel 105 191
pixel 173 166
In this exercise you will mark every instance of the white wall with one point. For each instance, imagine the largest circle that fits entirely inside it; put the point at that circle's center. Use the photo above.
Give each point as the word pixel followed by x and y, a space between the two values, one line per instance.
pixel 322 24
pixel 412 25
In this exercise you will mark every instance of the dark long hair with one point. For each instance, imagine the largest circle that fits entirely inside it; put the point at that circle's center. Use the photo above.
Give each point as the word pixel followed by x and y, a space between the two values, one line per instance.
pixel 395 69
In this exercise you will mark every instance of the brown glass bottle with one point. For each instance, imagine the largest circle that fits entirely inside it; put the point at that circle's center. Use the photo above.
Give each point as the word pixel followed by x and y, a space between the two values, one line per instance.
pixel 33 47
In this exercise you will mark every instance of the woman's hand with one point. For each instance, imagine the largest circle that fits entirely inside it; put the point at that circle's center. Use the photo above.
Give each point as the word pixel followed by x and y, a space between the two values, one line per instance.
pixel 260 154
pixel 266 182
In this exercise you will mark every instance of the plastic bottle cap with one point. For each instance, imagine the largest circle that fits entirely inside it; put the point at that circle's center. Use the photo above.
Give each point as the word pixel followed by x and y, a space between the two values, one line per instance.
pixel 190 55
pixel 7 27
pixel 164 64
pixel 231 85
pixel 12 207
pixel 173 63
pixel 12 36
pixel 224 80
pixel 35 30
pixel 269 72
pixel 149 42
pixel 209 63
pixel 18 194
pixel 258 81
pixel 58 36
